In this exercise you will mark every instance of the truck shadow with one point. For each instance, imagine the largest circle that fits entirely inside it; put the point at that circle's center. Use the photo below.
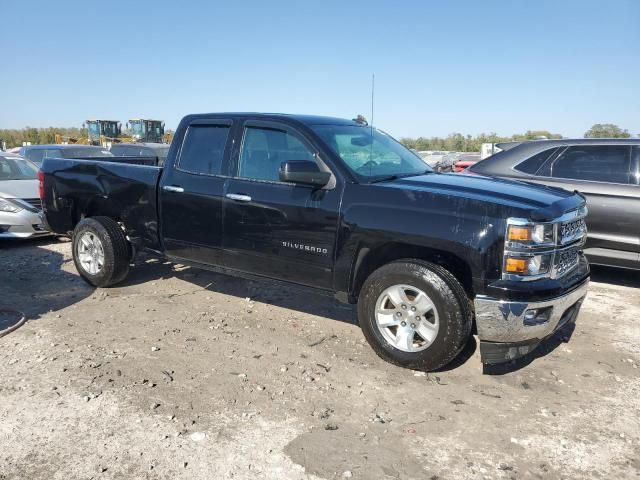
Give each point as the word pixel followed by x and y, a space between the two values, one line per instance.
pixel 33 281
pixel 274 293
pixel 563 335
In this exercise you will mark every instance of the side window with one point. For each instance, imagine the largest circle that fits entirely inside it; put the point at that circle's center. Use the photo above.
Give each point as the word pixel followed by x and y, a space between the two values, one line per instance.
pixel 264 149
pixel 532 164
pixel 203 149
pixel 600 163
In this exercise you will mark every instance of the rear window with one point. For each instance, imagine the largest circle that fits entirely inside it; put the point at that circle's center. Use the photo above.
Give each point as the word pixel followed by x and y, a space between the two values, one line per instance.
pixel 532 164
pixel 203 149
pixel 85 153
pixel 121 150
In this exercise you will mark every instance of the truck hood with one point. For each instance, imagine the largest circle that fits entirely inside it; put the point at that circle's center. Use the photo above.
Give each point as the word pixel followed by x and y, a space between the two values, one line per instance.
pixel 19 188
pixel 542 202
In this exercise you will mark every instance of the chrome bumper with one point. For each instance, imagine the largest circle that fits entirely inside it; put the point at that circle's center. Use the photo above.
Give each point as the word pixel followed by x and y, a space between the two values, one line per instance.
pixel 502 321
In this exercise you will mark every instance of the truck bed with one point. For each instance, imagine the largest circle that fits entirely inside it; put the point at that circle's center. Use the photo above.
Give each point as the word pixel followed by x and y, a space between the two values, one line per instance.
pixel 125 191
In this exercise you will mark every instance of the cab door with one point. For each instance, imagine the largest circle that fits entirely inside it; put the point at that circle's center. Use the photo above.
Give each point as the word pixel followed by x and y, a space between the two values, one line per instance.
pixel 191 193
pixel 277 229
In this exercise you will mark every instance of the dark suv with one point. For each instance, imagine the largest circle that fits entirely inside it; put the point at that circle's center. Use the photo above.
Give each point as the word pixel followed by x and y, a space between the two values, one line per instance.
pixel 606 171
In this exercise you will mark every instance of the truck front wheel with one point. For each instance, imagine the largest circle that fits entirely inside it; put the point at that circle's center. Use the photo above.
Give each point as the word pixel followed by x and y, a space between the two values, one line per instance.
pixel 101 251
pixel 415 314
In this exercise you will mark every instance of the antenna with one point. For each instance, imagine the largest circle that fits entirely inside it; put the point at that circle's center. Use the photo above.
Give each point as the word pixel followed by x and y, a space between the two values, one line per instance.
pixel 373 83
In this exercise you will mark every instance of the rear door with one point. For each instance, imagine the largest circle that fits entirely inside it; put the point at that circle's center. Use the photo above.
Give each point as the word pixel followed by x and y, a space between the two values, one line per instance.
pixel 278 229
pixel 603 173
pixel 191 193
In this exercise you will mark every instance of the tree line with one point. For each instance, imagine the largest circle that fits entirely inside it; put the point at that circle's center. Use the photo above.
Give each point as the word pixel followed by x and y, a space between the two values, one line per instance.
pixel 458 142
pixel 39 136
pixel 454 142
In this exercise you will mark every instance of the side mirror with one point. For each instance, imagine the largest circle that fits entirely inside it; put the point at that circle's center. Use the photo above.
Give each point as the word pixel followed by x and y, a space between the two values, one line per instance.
pixel 303 172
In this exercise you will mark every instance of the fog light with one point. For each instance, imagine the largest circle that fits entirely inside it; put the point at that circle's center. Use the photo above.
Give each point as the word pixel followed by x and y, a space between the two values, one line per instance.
pixel 537 316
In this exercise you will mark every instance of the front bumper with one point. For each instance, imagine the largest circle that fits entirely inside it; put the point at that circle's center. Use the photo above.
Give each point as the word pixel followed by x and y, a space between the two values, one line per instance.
pixel 511 329
pixel 22 224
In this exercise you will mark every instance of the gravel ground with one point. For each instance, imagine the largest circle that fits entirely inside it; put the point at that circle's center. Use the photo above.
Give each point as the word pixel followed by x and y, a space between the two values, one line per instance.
pixel 186 374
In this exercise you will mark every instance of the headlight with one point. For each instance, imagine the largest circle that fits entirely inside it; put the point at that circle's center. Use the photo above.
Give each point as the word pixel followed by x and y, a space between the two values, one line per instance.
pixel 9 206
pixel 531 234
pixel 519 264
pixel 528 249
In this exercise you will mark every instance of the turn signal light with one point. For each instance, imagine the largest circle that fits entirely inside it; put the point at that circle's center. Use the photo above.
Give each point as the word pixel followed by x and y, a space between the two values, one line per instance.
pixel 516 265
pixel 519 234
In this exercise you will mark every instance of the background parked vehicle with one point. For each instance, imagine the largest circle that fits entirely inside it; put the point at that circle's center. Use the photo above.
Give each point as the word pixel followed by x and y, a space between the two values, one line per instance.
pixel 37 153
pixel 20 205
pixel 157 152
pixel 446 162
pixel 606 171
pixel 464 161
pixel 439 161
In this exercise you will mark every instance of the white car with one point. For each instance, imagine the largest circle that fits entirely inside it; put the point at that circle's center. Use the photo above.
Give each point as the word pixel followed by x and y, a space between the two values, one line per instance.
pixel 20 207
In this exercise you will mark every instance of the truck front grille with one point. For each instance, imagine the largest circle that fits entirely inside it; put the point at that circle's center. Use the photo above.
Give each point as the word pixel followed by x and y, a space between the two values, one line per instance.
pixel 572 231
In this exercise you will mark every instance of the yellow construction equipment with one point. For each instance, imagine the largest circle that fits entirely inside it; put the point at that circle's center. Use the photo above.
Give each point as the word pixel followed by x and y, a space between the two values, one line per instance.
pixel 146 130
pixel 104 132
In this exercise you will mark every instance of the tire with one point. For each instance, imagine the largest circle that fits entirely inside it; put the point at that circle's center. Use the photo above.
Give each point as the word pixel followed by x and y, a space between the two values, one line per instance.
pixel 445 311
pixel 109 243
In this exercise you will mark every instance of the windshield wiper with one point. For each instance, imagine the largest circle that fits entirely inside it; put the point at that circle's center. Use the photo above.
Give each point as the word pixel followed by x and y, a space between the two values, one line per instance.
pixel 385 179
pixel 399 175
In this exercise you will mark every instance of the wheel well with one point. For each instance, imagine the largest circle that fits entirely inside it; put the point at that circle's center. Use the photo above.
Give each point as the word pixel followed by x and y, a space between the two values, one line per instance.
pixel 389 252
pixel 94 208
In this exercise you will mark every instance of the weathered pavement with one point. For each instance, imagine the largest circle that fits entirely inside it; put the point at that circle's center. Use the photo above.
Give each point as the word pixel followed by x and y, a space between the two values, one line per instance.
pixel 181 373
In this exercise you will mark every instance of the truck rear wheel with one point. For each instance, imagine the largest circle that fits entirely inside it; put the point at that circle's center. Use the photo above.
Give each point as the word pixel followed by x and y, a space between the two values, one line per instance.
pixel 415 314
pixel 101 251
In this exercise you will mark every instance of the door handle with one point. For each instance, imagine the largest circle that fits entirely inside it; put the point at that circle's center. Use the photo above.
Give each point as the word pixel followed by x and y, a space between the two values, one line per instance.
pixel 239 197
pixel 173 188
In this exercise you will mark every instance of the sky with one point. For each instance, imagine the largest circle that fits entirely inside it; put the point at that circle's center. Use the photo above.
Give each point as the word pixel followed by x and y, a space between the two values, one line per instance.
pixel 440 66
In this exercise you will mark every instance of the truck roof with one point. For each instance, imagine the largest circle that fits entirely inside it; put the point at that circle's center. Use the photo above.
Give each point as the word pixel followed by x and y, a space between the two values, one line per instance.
pixel 305 119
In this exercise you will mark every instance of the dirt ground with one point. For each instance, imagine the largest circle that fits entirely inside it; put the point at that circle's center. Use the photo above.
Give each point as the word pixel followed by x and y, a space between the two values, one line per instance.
pixel 185 374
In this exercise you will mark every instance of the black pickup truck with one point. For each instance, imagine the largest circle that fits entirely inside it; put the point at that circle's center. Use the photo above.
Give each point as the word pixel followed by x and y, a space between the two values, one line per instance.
pixel 341 207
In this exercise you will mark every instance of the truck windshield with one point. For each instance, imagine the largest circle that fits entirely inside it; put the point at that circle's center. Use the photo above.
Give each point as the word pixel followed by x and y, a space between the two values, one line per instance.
pixel 371 154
